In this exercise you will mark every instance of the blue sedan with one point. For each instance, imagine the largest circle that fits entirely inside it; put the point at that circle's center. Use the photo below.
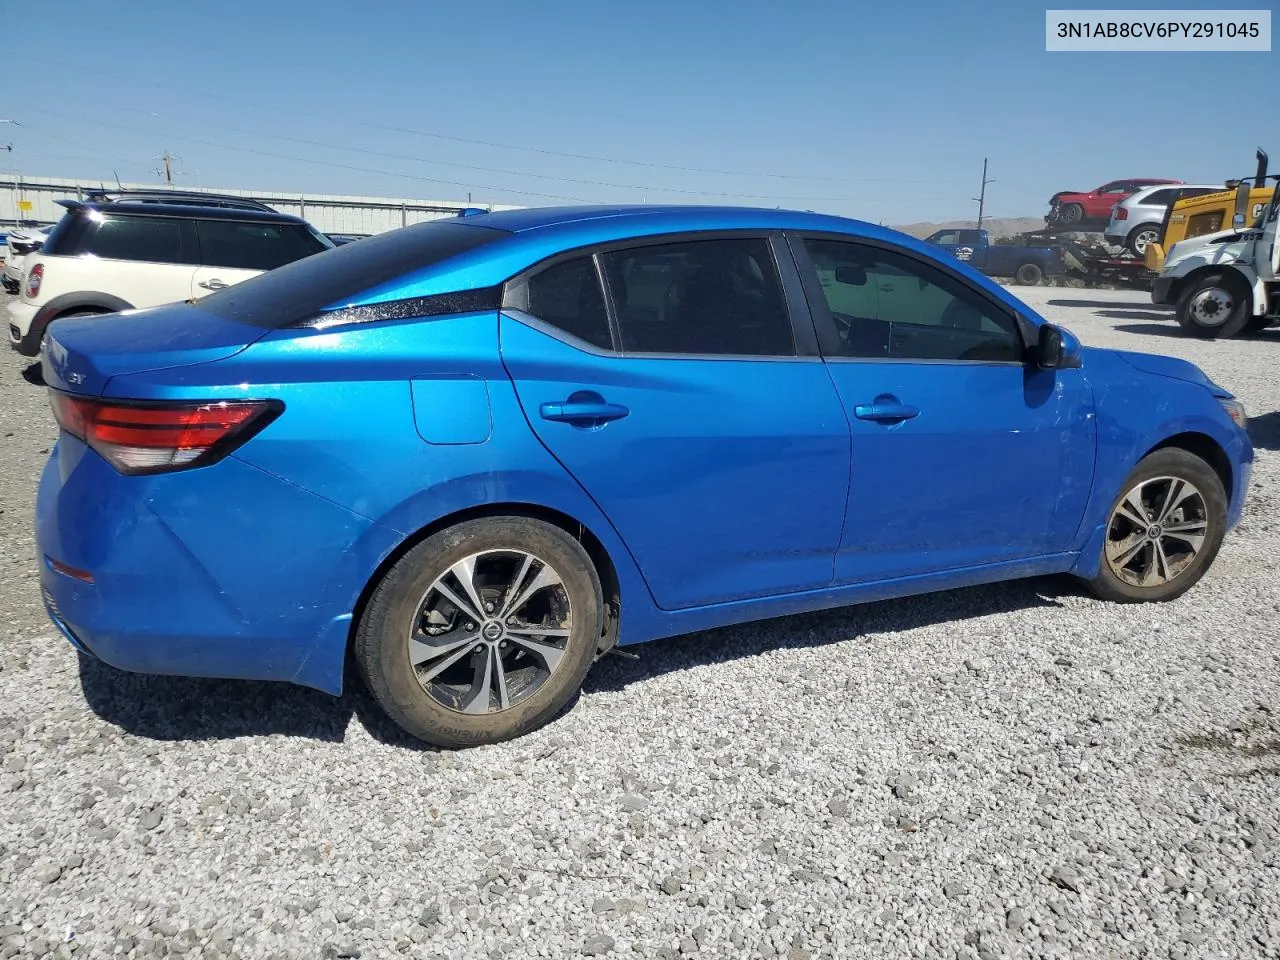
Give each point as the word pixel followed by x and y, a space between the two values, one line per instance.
pixel 477 454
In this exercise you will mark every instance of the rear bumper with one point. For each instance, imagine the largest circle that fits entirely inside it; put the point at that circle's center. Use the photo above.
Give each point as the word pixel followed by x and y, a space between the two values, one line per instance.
pixel 222 571
pixel 19 318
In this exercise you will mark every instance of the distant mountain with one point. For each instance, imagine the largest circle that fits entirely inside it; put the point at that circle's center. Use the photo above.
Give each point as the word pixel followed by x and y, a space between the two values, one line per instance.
pixel 998 227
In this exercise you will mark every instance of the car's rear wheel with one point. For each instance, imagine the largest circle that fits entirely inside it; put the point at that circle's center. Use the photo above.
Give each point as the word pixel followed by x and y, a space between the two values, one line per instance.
pixel 1164 529
pixel 1029 274
pixel 482 632
pixel 1216 305
pixel 1141 237
pixel 1071 213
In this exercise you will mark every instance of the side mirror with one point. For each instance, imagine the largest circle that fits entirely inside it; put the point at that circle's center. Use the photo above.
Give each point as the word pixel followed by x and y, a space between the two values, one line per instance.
pixel 1242 205
pixel 1049 349
pixel 854 276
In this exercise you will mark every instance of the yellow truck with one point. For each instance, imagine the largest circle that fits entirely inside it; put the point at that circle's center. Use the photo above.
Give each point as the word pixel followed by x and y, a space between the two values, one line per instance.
pixel 1208 213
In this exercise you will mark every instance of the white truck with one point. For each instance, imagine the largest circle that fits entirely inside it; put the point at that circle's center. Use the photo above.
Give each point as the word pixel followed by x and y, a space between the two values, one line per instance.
pixel 1226 283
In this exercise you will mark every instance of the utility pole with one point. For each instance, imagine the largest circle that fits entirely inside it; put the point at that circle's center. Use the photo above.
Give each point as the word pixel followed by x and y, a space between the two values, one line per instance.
pixel 981 198
pixel 168 167
pixel 15 190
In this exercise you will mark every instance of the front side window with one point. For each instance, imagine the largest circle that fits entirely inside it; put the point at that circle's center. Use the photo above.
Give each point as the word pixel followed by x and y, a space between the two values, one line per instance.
pixel 700 297
pixel 150 239
pixel 949 236
pixel 255 246
pixel 887 305
pixel 568 296
pixel 1117 187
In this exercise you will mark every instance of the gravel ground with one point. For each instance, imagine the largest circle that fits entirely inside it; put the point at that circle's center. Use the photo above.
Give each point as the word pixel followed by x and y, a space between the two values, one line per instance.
pixel 1009 771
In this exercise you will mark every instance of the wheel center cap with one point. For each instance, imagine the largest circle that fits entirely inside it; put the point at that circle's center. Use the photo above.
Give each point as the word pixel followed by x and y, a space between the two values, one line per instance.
pixel 491 631
pixel 1154 531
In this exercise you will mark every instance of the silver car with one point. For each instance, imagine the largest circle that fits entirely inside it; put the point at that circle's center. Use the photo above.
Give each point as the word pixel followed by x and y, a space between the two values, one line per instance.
pixel 1138 219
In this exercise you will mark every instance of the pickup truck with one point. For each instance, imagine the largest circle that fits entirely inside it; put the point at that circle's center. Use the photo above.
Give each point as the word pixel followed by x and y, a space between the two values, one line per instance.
pixel 1027 265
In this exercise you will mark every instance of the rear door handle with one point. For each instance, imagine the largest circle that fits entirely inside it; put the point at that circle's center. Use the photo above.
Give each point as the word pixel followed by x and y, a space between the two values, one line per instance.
pixel 570 411
pixel 214 284
pixel 885 412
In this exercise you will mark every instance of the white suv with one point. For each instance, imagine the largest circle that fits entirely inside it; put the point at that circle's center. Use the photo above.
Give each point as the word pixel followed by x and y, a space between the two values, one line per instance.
pixel 105 257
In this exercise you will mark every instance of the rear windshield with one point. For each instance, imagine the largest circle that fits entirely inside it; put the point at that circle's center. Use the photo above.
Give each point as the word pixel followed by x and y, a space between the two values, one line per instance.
pixel 301 289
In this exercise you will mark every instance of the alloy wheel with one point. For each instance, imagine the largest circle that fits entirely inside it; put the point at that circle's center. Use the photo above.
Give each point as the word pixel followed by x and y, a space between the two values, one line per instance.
pixel 1156 531
pixel 1144 239
pixel 490 631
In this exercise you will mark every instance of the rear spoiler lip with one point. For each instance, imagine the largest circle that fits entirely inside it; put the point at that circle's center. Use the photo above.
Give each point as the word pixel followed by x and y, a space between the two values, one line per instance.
pixel 70 204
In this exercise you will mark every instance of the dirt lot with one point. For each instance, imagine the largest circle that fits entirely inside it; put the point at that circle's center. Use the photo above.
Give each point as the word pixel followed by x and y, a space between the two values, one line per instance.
pixel 1016 770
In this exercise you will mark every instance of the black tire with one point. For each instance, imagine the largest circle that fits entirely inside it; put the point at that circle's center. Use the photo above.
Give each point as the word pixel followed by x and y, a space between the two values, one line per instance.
pixel 1029 274
pixel 1210 508
pixel 382 644
pixel 1140 237
pixel 1070 214
pixel 1216 305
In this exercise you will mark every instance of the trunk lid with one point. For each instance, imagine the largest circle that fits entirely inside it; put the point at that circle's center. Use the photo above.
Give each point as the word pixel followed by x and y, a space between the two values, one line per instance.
pixel 82 354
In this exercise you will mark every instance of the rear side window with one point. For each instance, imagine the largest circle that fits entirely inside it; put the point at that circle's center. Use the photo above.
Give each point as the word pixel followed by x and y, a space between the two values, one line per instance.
pixel 254 246
pixel 150 239
pixel 568 296
pixel 1158 197
pixel 297 291
pixel 700 297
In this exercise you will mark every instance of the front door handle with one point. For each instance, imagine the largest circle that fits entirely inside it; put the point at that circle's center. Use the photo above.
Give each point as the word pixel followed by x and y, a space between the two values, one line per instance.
pixel 577 411
pixel 213 284
pixel 885 412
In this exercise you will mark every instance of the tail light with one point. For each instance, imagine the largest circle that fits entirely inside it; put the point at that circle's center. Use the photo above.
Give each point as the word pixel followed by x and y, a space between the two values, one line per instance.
pixel 34 279
pixel 1122 213
pixel 139 437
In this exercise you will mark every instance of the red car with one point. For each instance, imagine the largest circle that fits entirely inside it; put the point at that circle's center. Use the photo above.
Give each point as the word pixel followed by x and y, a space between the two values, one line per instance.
pixel 1070 208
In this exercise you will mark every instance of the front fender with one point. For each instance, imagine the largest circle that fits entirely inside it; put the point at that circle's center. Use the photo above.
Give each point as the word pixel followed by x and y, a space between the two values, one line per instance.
pixel 1136 414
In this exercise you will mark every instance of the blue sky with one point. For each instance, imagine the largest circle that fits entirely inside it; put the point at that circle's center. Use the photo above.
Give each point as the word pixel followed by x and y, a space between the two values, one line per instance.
pixel 882 111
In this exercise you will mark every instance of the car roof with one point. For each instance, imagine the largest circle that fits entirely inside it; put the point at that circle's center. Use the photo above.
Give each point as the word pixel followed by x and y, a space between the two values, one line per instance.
pixel 1148 190
pixel 532 234
pixel 186 212
pixel 625 220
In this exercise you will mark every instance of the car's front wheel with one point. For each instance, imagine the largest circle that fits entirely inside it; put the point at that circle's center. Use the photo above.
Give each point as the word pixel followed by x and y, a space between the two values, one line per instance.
pixel 482 632
pixel 1071 213
pixel 1164 529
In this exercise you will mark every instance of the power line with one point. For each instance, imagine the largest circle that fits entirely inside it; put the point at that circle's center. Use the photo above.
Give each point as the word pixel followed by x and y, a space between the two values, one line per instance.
pixel 438 180
pixel 646 188
pixel 328 118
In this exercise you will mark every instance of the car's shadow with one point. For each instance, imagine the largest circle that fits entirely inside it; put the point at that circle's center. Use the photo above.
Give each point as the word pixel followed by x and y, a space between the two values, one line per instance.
pixel 1104 304
pixel 34 374
pixel 179 708
pixel 867 620
pixel 1264 430
pixel 1152 329
pixel 1170 328
pixel 1153 315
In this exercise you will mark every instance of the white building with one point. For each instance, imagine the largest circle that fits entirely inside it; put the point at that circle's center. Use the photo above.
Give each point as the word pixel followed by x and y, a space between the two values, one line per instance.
pixel 35 199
